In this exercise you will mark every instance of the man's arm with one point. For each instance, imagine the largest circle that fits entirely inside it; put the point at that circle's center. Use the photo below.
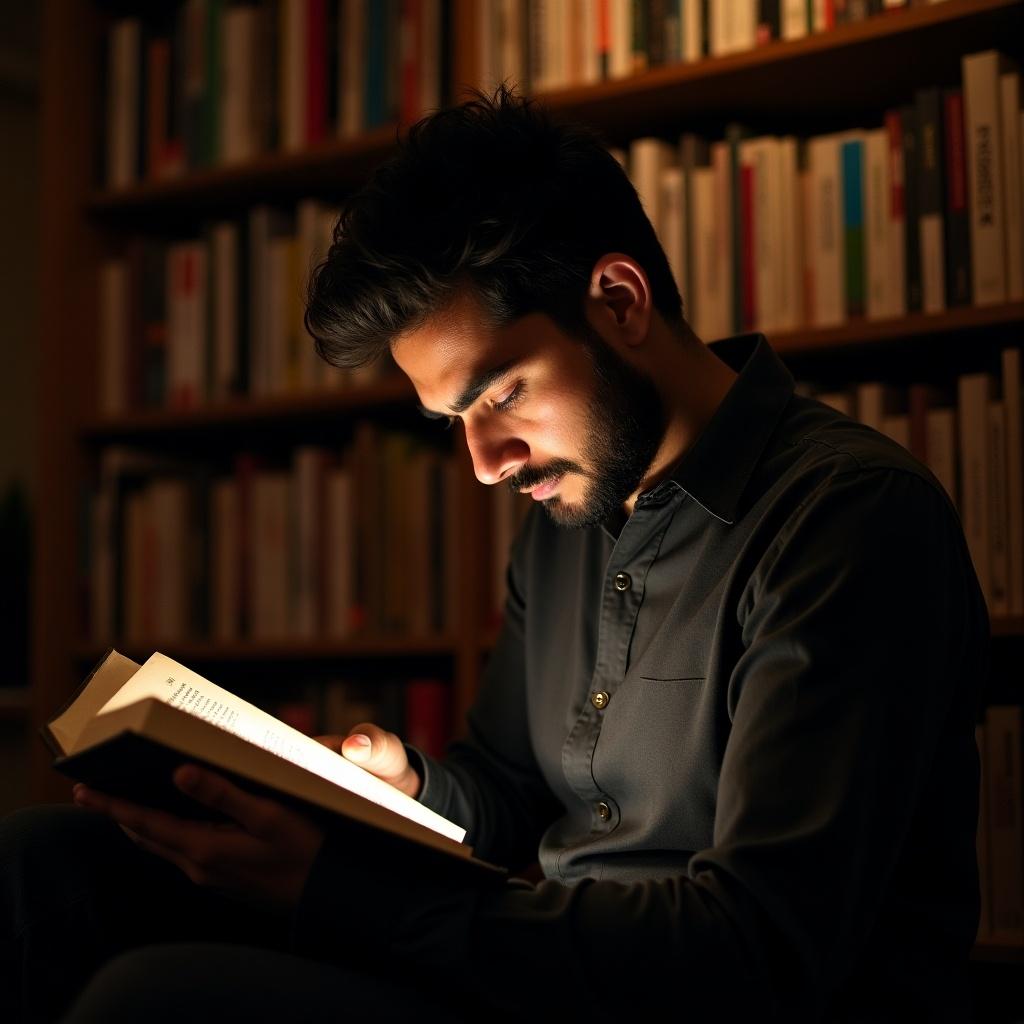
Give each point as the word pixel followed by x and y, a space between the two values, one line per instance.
pixel 859 626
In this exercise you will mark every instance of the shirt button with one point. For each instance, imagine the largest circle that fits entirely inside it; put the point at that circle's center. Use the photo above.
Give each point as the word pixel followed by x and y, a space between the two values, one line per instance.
pixel 622 581
pixel 599 699
pixel 604 812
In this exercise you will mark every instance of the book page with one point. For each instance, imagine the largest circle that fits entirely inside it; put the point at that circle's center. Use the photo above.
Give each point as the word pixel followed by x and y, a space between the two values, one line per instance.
pixel 168 681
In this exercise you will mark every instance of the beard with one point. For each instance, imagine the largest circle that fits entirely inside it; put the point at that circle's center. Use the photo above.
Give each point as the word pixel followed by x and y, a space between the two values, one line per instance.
pixel 625 426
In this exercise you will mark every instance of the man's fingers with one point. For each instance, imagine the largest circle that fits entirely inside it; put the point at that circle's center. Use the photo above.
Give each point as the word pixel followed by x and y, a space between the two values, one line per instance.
pixel 254 814
pixel 375 750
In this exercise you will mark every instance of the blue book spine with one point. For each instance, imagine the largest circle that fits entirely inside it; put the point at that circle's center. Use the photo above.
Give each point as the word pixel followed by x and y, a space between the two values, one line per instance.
pixel 853 224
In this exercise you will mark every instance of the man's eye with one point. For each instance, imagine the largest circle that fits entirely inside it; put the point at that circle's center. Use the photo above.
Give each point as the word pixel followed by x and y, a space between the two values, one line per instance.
pixel 512 400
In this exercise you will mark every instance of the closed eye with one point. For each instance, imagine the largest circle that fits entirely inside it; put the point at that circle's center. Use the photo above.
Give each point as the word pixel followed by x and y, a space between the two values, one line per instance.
pixel 512 399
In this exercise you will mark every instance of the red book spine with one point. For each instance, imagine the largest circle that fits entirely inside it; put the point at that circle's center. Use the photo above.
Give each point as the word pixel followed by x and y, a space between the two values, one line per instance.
pixel 748 227
pixel 428 715
pixel 603 38
pixel 894 128
pixel 316 71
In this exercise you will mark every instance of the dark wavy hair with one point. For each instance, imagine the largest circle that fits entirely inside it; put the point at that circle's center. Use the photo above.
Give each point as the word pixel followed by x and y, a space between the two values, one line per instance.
pixel 492 195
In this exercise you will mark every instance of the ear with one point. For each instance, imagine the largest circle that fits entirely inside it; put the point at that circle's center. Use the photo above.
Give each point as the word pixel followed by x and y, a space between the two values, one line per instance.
pixel 619 302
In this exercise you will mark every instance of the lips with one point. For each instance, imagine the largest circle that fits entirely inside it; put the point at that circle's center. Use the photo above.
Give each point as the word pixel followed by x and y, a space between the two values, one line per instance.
pixel 541 491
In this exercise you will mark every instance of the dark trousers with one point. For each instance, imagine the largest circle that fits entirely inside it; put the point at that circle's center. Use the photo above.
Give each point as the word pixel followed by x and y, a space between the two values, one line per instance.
pixel 96 929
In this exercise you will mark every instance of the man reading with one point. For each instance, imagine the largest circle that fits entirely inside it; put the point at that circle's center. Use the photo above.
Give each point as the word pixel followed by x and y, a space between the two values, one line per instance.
pixel 730 711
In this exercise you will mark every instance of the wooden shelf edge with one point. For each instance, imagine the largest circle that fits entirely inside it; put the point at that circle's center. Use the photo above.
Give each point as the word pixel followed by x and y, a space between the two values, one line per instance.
pixel 872 332
pixel 250 410
pixel 378 646
pixel 989 951
pixel 267 167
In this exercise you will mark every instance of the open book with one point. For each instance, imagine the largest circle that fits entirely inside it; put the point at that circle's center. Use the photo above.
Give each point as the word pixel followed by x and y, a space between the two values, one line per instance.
pixel 128 726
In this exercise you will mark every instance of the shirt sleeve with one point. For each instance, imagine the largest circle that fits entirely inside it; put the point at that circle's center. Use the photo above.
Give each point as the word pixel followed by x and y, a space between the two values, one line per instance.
pixel 860 628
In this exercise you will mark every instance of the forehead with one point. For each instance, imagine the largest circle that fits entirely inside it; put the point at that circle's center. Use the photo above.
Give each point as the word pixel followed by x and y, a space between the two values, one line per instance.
pixel 459 343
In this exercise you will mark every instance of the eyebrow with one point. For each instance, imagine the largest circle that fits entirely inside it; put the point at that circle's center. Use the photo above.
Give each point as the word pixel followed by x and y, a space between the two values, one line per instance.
pixel 475 388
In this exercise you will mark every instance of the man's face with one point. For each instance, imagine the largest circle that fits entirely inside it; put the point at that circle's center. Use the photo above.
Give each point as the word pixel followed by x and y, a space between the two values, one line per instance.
pixel 570 421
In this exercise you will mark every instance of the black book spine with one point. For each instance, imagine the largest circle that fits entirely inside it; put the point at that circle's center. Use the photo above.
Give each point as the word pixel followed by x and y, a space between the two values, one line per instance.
pixel 958 227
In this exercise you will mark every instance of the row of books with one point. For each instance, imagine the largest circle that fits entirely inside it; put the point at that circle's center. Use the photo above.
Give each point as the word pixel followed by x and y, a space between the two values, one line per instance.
pixel 555 44
pixel 319 545
pixel 202 320
pixel 1000 831
pixel 211 82
pixel 419 709
pixel 921 214
pixel 970 435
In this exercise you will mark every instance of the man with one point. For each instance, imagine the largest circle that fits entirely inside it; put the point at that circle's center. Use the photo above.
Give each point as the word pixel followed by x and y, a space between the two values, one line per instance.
pixel 731 707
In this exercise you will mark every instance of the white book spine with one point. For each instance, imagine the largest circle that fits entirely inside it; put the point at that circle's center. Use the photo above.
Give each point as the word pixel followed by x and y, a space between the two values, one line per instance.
pixel 647 159
pixel 985 177
pixel 794 19
pixel 827 255
pixel 270 556
pixel 309 252
pixel 621 17
pixel 673 229
pixel 693 29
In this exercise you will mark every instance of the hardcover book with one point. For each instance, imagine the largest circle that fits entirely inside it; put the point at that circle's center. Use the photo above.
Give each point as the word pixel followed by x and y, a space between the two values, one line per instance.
pixel 129 726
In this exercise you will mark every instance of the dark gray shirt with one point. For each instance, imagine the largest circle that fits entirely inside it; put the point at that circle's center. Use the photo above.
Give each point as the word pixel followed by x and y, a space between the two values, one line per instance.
pixel 737 728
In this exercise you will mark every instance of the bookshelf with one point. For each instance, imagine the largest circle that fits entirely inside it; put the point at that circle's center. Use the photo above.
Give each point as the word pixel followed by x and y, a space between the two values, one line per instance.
pixel 807 85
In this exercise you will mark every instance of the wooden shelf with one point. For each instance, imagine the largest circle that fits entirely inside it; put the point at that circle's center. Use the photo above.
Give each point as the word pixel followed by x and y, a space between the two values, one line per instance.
pixel 337 165
pixel 377 646
pixel 998 953
pixel 246 411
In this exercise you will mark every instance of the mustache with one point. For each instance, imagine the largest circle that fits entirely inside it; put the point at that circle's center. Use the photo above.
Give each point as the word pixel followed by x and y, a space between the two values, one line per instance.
pixel 531 477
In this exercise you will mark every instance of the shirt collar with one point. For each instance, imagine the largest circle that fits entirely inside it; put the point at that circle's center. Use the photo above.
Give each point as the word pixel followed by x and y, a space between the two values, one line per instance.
pixel 715 470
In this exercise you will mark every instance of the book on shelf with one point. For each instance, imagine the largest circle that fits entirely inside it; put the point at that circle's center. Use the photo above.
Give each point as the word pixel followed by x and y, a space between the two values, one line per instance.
pixel 970 433
pixel 129 726
pixel 314 544
pixel 211 82
pixel 550 46
pixel 1000 832
pixel 775 233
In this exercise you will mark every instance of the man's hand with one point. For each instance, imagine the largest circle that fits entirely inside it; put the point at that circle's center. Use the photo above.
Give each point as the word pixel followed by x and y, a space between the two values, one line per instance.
pixel 262 856
pixel 380 753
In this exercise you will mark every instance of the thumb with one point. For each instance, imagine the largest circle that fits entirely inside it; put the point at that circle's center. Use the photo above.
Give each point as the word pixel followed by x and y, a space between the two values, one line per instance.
pixel 381 753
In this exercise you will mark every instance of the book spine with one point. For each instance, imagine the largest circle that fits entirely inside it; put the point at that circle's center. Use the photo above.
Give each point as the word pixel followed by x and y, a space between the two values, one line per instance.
pixel 958 228
pixel 928 112
pixel 852 156
pixel 984 176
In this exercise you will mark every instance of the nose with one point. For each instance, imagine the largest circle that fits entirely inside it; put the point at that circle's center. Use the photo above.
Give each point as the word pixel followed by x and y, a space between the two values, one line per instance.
pixel 495 455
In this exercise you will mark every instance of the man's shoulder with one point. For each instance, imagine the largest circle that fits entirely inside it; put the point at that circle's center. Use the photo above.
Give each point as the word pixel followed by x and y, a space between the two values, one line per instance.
pixel 815 441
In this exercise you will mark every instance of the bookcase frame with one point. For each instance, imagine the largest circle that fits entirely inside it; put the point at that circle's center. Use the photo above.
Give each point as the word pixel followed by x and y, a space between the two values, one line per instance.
pixel 79 224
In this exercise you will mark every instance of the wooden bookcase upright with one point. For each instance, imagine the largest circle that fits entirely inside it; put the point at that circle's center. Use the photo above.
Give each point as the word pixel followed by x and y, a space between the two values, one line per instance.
pixel 813 84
